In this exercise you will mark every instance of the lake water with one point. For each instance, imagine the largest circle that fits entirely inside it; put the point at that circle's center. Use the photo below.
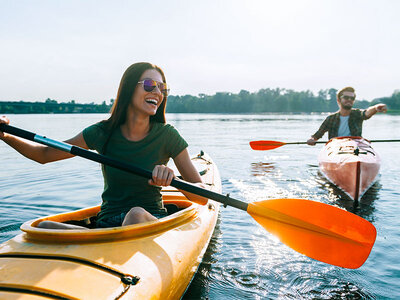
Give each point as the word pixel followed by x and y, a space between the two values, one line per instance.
pixel 243 260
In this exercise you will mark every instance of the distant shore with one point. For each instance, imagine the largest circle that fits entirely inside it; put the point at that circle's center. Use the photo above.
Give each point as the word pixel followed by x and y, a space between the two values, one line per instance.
pixel 263 101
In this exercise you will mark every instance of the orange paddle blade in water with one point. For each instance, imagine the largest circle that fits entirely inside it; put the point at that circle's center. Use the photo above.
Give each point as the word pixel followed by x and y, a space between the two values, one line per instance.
pixel 320 231
pixel 265 145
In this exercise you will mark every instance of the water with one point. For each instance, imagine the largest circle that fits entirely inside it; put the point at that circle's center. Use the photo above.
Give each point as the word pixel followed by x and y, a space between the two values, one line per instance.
pixel 243 261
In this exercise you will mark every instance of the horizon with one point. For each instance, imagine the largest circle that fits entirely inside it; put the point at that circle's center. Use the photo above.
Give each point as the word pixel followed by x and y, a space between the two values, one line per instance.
pixel 79 50
pixel 171 95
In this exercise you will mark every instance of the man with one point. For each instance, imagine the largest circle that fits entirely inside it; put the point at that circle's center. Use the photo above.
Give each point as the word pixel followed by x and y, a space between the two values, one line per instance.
pixel 348 120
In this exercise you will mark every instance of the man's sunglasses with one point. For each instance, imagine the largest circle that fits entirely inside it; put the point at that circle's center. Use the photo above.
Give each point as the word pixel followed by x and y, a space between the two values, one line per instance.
pixel 149 85
pixel 348 98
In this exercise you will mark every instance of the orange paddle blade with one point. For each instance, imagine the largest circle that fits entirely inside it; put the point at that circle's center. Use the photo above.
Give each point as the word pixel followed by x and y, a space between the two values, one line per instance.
pixel 265 145
pixel 320 231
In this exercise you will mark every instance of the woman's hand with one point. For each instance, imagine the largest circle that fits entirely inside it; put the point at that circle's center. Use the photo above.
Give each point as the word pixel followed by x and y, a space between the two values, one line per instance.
pixel 162 176
pixel 4 120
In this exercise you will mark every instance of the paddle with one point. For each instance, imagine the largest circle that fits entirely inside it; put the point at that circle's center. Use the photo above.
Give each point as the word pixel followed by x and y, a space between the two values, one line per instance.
pixel 269 145
pixel 320 231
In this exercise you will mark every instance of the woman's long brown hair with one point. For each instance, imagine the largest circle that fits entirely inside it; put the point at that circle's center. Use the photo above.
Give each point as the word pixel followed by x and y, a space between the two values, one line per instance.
pixel 126 90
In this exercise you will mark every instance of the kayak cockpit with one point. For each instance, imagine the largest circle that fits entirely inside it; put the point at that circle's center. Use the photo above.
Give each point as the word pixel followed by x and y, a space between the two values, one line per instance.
pixel 180 211
pixel 89 221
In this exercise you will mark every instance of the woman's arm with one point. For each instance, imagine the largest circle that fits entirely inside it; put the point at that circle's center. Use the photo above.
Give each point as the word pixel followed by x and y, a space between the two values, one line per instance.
pixel 37 152
pixel 162 176
pixel 190 174
pixel 186 167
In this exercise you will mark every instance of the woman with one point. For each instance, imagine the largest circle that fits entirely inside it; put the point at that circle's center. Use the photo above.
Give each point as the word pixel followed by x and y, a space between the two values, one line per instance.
pixel 135 132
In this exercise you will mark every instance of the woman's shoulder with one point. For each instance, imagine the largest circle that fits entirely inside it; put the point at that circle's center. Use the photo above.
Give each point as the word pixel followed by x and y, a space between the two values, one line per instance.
pixel 168 135
pixel 166 131
pixel 102 125
pixel 96 134
pixel 164 127
pixel 99 127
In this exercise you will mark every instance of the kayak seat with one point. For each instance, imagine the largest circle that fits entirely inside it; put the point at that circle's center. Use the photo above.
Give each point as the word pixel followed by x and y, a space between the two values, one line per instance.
pixel 88 222
pixel 172 208
pixel 173 205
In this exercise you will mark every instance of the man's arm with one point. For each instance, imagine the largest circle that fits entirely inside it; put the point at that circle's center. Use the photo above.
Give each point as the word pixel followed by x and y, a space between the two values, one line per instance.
pixel 381 107
pixel 320 132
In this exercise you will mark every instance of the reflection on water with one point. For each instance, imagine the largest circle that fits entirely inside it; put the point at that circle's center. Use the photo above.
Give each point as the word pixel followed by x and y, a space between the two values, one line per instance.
pixel 365 207
pixel 200 286
pixel 261 168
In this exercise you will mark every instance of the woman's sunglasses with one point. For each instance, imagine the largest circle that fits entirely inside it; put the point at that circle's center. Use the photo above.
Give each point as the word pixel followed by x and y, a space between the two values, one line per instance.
pixel 149 85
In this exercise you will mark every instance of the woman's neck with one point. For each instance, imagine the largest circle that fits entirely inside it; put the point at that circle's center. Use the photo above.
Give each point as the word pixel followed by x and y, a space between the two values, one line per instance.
pixel 136 129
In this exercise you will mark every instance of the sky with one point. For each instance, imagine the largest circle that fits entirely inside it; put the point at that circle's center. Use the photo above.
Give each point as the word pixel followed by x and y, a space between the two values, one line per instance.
pixel 78 50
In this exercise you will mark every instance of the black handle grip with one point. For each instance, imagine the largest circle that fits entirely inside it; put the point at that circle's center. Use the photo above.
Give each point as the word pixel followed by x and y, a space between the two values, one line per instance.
pixel 18 132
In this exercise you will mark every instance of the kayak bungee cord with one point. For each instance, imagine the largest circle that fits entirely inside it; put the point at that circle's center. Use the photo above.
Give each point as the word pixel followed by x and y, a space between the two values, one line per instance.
pixel 127 279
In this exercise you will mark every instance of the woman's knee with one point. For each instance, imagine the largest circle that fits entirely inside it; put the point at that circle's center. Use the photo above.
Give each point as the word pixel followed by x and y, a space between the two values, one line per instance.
pixel 137 215
pixel 137 210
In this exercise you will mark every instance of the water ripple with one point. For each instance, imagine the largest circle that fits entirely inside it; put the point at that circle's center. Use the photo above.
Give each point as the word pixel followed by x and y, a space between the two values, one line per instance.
pixel 243 260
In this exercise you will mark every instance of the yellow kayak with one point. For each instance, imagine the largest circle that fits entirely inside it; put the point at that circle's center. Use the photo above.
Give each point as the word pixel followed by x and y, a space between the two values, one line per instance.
pixel 153 260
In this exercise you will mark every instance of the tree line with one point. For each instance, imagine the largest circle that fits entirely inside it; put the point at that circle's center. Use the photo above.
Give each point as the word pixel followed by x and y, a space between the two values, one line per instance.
pixel 270 100
pixel 52 107
pixel 263 101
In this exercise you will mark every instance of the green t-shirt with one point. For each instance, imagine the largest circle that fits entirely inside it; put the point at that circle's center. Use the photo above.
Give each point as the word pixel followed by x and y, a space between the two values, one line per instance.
pixel 123 190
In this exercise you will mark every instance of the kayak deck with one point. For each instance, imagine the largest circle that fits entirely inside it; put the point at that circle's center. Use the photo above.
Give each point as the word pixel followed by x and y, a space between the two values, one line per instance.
pixel 153 260
pixel 351 164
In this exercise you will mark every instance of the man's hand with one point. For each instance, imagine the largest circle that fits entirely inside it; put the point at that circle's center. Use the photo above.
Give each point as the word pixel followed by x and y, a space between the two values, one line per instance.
pixel 381 107
pixel 311 141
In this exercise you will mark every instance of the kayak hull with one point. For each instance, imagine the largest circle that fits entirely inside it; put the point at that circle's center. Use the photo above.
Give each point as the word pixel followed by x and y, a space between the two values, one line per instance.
pixel 153 260
pixel 351 164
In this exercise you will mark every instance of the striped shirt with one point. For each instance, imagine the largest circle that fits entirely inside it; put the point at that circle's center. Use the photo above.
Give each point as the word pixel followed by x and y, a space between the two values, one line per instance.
pixel 332 122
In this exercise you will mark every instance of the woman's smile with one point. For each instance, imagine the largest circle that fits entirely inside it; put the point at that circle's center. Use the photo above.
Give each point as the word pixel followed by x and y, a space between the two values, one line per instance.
pixel 152 101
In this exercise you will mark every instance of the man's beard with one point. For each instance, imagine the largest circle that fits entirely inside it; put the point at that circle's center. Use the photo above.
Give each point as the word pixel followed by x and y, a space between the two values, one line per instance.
pixel 347 106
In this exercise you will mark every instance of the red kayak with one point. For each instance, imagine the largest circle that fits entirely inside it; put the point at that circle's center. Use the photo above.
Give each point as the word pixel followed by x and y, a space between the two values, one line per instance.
pixel 351 164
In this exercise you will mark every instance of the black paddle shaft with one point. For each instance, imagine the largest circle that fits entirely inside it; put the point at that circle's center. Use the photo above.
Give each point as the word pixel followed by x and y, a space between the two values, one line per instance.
pixel 106 160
